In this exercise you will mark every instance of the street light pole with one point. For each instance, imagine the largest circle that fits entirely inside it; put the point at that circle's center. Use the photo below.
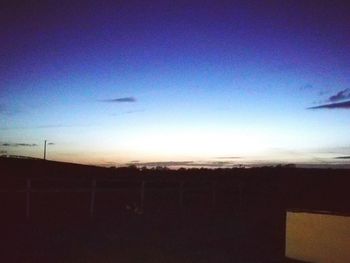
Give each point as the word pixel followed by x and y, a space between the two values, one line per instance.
pixel 45 150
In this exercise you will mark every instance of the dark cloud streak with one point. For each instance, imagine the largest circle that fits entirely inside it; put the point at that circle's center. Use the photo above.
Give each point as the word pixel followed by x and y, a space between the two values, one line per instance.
pixel 120 100
pixel 343 157
pixel 341 95
pixel 18 144
pixel 340 105
pixel 188 164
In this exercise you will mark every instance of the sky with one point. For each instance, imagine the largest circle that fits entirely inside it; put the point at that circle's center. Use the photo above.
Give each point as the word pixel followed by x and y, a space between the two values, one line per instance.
pixel 176 83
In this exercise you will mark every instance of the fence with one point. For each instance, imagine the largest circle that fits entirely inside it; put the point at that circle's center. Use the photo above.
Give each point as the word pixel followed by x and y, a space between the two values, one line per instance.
pixel 95 186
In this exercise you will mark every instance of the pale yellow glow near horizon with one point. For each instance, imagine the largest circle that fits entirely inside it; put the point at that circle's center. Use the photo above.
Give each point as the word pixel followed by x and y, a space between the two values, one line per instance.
pixel 166 144
pixel 154 146
pixel 195 144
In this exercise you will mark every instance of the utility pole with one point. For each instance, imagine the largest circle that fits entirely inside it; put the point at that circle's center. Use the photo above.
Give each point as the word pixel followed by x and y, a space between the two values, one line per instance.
pixel 45 150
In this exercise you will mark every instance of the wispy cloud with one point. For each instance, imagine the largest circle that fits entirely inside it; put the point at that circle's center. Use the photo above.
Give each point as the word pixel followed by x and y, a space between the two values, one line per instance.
pixel 120 100
pixel 307 86
pixel 167 163
pixel 188 164
pixel 6 144
pixel 339 100
pixel 43 127
pixel 4 110
pixel 54 126
pixel 339 105
pixel 342 157
pixel 218 164
pixel 341 95
pixel 283 67
pixel 132 111
pixel 228 157
pixel 128 112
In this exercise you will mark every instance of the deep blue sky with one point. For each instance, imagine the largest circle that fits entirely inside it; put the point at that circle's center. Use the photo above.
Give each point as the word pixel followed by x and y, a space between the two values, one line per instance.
pixel 182 81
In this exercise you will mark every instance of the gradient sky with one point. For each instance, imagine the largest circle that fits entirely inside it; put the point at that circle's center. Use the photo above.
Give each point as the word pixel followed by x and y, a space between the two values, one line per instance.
pixel 176 82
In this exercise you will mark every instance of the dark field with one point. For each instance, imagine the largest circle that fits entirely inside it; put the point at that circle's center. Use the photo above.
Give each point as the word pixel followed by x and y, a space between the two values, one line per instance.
pixel 170 238
pixel 56 212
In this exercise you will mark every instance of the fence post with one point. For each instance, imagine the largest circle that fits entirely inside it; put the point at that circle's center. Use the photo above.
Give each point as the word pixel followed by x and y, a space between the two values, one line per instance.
pixel 92 200
pixel 142 194
pixel 28 198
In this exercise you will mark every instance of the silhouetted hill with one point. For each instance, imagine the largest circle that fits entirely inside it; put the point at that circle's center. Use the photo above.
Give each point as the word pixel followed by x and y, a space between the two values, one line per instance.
pixel 292 188
pixel 31 167
pixel 203 213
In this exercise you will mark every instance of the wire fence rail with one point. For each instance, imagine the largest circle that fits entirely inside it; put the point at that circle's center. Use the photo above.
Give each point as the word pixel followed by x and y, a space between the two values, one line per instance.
pixel 143 188
pixel 144 191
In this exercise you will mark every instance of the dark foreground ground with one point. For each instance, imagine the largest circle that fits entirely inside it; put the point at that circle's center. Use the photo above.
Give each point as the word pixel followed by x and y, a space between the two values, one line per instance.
pixel 124 241
pixel 197 215
pixel 127 240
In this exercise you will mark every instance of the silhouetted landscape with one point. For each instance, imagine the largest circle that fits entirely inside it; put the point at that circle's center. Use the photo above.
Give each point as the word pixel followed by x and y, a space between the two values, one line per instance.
pixel 58 212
